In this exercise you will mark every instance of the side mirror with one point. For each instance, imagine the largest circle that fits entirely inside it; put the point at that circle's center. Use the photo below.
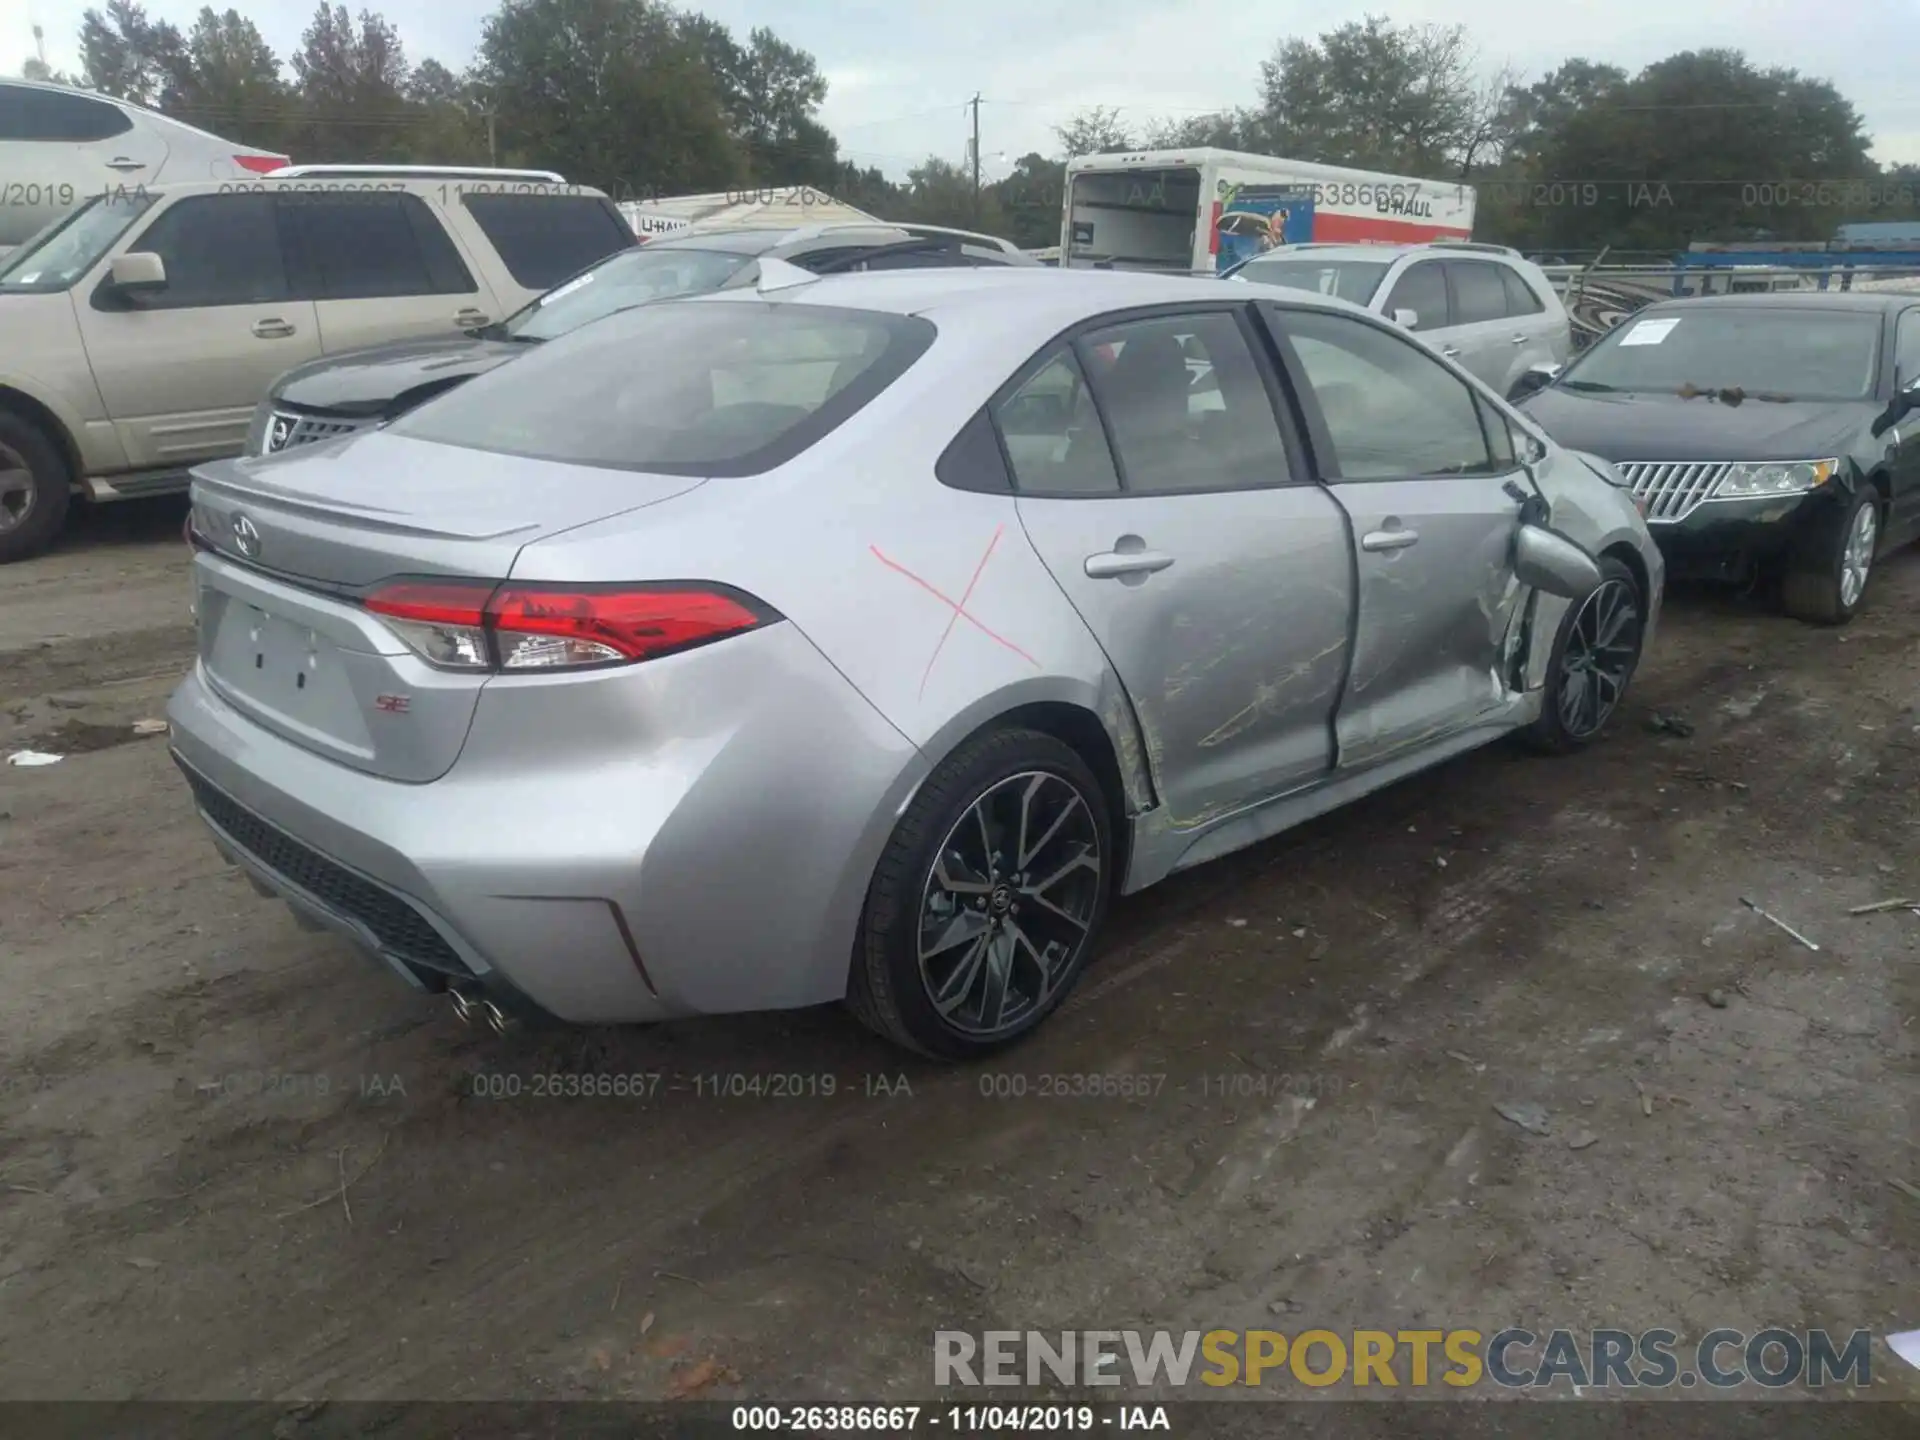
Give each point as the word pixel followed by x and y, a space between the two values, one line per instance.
pixel 138 273
pixel 1905 401
pixel 1533 378
pixel 1549 561
pixel 1407 319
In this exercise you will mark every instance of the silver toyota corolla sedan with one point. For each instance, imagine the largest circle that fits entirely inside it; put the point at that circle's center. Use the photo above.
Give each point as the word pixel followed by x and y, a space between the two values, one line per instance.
pixel 861 637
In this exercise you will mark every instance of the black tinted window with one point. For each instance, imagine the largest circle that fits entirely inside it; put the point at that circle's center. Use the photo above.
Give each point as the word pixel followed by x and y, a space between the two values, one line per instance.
pixel 1390 408
pixel 749 385
pixel 545 238
pixel 1186 404
pixel 30 114
pixel 1478 293
pixel 218 250
pixel 1521 299
pixel 1790 349
pixel 1423 289
pixel 1052 433
pixel 1906 351
pixel 361 245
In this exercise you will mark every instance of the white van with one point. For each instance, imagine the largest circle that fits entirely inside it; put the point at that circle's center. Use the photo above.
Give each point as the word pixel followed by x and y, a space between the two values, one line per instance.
pixel 1204 211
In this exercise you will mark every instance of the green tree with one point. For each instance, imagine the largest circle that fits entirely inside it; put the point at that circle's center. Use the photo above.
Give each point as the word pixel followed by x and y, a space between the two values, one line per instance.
pixel 1098 131
pixel 352 81
pixel 34 68
pixel 232 83
pixel 940 192
pixel 449 126
pixel 1224 129
pixel 124 54
pixel 1030 199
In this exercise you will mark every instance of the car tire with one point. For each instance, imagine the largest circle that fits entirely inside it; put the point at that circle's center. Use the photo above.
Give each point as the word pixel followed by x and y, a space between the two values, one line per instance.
pixel 947 928
pixel 42 500
pixel 1591 643
pixel 1828 571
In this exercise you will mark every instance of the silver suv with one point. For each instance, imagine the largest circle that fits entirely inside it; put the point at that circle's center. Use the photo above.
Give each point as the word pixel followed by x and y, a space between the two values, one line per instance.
pixel 138 335
pixel 1485 308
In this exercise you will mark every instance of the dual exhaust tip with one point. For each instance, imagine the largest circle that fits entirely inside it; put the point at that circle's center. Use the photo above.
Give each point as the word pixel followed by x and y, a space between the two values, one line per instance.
pixel 473 1007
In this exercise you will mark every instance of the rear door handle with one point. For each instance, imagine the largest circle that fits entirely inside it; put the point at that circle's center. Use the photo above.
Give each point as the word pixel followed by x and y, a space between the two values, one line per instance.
pixel 1115 563
pixel 470 318
pixel 121 162
pixel 1519 339
pixel 1450 352
pixel 1389 540
pixel 274 329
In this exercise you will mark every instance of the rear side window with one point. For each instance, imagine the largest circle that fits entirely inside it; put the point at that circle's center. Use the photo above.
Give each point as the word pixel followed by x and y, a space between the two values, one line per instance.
pixel 1478 295
pixel 1521 299
pixel 543 239
pixel 366 245
pixel 30 114
pixel 682 387
pixel 1052 433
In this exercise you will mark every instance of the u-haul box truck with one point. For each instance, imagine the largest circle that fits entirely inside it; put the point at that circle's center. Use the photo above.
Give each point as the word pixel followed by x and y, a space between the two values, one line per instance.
pixel 1202 211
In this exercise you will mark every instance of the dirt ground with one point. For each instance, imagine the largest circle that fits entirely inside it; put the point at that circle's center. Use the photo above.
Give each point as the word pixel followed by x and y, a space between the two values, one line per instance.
pixel 238 1160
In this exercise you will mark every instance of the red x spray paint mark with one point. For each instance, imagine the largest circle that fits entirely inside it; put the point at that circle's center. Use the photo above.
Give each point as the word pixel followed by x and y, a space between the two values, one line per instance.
pixel 959 607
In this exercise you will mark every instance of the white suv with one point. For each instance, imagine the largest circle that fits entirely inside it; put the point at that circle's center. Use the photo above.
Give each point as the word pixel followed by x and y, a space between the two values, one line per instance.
pixel 1485 308
pixel 59 147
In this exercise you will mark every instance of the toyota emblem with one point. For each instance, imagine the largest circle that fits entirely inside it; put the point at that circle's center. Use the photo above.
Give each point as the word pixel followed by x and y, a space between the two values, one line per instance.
pixel 246 536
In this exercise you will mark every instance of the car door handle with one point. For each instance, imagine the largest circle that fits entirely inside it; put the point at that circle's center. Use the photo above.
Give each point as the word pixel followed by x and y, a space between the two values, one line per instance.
pixel 274 329
pixel 1389 540
pixel 470 318
pixel 1115 563
pixel 1450 352
pixel 121 162
pixel 1519 339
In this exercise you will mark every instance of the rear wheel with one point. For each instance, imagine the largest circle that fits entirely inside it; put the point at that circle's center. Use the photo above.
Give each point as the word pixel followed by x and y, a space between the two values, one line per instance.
pixel 1829 566
pixel 1594 657
pixel 33 488
pixel 986 902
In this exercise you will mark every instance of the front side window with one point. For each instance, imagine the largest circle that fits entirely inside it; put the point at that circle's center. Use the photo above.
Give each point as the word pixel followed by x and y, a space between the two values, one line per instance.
pixel 1391 410
pixel 67 249
pixel 542 239
pixel 218 250
pixel 1186 404
pixel 688 387
pixel 1423 290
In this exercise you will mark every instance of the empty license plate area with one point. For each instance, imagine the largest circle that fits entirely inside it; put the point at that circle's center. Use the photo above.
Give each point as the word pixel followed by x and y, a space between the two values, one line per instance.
pixel 285 673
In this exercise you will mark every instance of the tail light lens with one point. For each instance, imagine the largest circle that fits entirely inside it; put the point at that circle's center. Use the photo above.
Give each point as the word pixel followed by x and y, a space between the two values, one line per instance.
pixel 261 164
pixel 514 628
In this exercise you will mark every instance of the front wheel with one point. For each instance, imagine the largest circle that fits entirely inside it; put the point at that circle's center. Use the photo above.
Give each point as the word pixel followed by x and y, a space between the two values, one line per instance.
pixel 33 489
pixel 1829 566
pixel 986 902
pixel 1594 656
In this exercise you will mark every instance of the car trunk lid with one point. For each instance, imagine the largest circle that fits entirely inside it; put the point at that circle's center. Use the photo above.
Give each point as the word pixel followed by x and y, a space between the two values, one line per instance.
pixel 289 547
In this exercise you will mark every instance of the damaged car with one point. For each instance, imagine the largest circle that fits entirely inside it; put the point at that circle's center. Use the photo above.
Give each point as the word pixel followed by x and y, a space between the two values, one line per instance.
pixel 870 648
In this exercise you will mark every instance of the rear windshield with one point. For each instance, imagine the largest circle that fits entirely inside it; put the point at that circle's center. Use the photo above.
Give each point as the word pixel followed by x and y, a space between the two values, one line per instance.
pixel 1351 280
pixel 683 387
pixel 545 238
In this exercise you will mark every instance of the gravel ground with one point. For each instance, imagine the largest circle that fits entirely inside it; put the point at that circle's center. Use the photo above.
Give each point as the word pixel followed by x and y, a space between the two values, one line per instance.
pixel 239 1161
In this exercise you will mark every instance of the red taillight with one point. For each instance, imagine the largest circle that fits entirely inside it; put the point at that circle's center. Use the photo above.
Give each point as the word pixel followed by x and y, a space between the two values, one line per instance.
pixel 261 164
pixel 473 625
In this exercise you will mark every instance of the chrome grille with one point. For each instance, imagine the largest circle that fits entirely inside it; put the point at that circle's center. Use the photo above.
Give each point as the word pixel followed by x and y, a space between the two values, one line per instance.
pixel 1672 488
pixel 286 429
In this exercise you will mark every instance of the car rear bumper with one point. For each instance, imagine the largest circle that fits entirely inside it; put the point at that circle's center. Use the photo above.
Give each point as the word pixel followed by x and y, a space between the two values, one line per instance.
pixel 723 870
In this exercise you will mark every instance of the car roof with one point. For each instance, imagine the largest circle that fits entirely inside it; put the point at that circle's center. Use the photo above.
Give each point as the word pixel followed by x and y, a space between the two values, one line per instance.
pixel 1000 294
pixel 1840 300
pixel 425 183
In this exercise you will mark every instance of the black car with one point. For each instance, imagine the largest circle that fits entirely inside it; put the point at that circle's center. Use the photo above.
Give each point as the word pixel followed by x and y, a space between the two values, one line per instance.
pixel 1766 436
pixel 340 394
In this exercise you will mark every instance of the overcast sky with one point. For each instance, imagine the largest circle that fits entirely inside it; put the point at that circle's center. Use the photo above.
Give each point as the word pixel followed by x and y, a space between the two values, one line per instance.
pixel 899 81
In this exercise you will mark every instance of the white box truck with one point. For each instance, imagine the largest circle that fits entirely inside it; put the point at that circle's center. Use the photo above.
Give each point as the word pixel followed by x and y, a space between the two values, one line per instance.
pixel 1202 211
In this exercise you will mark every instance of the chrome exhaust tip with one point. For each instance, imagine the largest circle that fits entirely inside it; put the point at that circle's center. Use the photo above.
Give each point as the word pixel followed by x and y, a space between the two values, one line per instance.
pixel 497 1019
pixel 462 1005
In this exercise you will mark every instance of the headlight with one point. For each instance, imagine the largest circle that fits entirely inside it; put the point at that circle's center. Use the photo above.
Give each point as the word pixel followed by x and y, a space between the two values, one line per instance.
pixel 1756 482
pixel 257 431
